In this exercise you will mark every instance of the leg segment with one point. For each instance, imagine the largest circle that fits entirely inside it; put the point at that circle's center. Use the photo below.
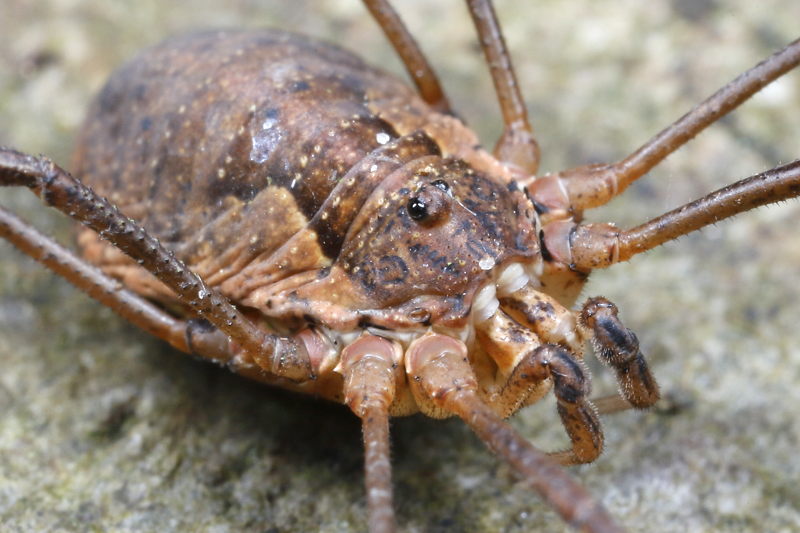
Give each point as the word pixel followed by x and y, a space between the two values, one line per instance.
pixel 517 145
pixel 285 357
pixel 507 343
pixel 368 366
pixel 439 371
pixel 588 246
pixel 618 347
pixel 594 185
pixel 545 316
pixel 571 387
pixel 414 60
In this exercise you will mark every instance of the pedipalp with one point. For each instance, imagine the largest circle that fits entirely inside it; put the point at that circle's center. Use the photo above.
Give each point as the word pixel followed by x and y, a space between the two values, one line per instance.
pixel 440 373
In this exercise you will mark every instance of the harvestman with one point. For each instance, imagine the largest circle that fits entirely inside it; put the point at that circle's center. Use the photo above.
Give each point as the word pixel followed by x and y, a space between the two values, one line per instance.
pixel 530 346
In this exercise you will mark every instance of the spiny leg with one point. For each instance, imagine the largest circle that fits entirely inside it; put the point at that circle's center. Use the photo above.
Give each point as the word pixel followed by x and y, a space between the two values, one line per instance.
pixel 368 365
pixel 517 145
pixel 439 371
pixel 410 53
pixel 594 185
pixel 282 356
pixel 588 246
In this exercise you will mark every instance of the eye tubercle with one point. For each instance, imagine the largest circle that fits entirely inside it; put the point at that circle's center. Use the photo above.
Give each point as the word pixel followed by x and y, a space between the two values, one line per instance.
pixel 430 205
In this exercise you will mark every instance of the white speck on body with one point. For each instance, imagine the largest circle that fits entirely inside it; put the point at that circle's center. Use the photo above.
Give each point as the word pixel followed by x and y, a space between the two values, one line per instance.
pixel 264 140
pixel 487 263
pixel 382 137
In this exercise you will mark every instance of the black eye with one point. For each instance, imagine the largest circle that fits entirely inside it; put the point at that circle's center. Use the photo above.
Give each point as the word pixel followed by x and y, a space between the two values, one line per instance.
pixel 417 208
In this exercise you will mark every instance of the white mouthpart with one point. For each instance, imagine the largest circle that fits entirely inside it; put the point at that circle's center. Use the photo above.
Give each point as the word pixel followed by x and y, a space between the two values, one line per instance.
pixel 485 304
pixel 511 279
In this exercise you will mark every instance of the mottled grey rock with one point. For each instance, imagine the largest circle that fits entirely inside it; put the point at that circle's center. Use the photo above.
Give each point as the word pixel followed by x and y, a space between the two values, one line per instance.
pixel 104 429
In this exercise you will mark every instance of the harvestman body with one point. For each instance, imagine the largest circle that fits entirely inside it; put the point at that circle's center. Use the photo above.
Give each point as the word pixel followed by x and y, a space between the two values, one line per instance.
pixel 318 225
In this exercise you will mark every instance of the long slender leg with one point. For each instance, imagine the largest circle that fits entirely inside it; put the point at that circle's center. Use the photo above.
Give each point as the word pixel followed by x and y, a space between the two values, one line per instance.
pixel 286 357
pixel 438 370
pixel 410 53
pixel 589 246
pixel 594 185
pixel 517 145
pixel 368 365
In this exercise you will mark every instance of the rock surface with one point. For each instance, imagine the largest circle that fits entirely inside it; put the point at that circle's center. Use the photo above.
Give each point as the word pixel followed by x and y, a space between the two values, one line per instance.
pixel 104 429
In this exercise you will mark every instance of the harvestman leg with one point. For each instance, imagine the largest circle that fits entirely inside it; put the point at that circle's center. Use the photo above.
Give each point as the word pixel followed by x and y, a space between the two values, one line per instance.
pixel 418 67
pixel 589 246
pixel 281 356
pixel 594 185
pixel 517 145
pixel 369 366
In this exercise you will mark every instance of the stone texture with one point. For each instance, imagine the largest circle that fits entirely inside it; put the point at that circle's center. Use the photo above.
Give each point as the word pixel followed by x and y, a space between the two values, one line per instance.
pixel 103 429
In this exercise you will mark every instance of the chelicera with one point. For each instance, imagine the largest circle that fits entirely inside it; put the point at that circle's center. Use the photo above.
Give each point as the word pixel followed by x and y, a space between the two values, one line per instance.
pixel 424 205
